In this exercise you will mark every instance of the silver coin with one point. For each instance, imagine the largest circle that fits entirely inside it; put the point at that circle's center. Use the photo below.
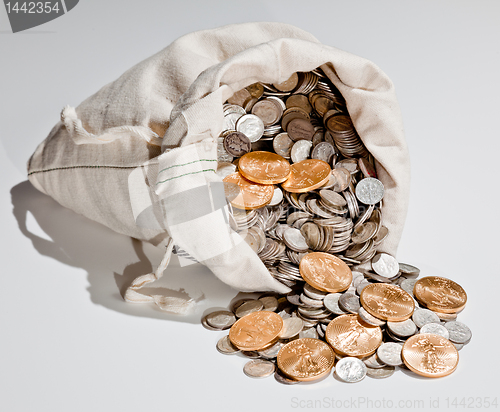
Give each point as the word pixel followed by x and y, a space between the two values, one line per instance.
pixel 350 369
pixel 308 333
pixel 408 284
pixel 363 284
pixel 251 126
pixel 225 169
pixel 282 145
pixel 225 346
pixel 349 302
pixel 259 368
pixel 331 302
pixel 373 362
pixel 207 326
pixel 458 346
pixel 405 328
pixel 294 240
pixel 407 269
pixel 285 380
pixel 314 303
pixel 250 306
pixel 252 354
pixel 436 329
pixel 300 150
pixel 385 265
pixel 380 373
pixel 371 320
pixel 323 151
pixel 277 197
pixel 424 316
pixel 446 317
pixel 390 353
pixel 272 352
pixel 221 319
pixel 291 327
pixel 314 293
pixel 370 191
pixel 270 303
pixel 459 332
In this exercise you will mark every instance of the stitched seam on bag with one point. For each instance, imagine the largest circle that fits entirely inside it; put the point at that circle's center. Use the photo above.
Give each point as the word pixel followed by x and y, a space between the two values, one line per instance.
pixel 185 164
pixel 82 167
pixel 185 174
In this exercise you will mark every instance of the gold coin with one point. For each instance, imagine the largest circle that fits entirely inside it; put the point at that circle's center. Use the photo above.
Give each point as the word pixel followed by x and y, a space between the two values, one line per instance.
pixel 350 336
pixel 430 355
pixel 264 167
pixel 256 331
pixel 387 302
pixel 325 272
pixel 307 175
pixel 251 195
pixel 440 294
pixel 306 359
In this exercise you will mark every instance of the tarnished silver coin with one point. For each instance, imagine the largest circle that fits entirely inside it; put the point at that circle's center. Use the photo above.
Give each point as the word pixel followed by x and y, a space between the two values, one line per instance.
pixel 459 332
pixel 282 145
pixel 331 302
pixel 207 326
pixel 436 329
pixel 370 191
pixel 404 329
pixel 364 232
pixel 424 316
pixel 291 327
pixel 250 306
pixel 225 346
pixel 390 353
pixel 350 369
pixel 349 302
pixel 323 151
pixel 237 144
pixel 251 126
pixel 259 368
pixel 270 303
pixel 380 373
pixel 221 319
pixel 385 265
pixel 285 380
pixel 371 320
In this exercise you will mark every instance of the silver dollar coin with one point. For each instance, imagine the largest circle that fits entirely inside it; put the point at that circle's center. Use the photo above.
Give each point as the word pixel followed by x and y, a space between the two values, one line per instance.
pixel 350 369
pixel 385 265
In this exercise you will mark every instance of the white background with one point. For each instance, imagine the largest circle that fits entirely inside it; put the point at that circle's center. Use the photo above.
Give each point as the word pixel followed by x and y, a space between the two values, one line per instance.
pixel 68 342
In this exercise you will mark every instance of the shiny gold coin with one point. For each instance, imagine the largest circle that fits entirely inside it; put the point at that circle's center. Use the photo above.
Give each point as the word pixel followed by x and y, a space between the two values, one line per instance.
pixel 325 272
pixel 264 167
pixel 350 336
pixel 440 294
pixel 306 359
pixel 250 196
pixel 430 355
pixel 387 302
pixel 307 175
pixel 256 331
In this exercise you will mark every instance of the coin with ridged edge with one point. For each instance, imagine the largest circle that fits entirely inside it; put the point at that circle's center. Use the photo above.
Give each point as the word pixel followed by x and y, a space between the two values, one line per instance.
pixel 430 355
pixel 256 331
pixel 387 302
pixel 350 336
pixel 306 359
pixel 307 175
pixel 440 294
pixel 325 272
pixel 264 167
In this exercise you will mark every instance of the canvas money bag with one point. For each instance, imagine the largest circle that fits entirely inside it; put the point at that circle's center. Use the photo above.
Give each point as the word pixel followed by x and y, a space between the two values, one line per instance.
pixel 140 155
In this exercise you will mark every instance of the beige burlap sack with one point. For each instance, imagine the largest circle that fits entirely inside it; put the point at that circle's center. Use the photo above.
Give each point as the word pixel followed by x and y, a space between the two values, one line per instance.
pixel 108 160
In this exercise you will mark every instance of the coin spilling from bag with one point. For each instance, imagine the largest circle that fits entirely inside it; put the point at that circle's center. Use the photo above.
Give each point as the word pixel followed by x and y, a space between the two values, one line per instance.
pixel 316 223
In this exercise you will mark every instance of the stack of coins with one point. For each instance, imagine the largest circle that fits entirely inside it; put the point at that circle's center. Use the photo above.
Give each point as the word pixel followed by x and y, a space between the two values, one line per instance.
pixel 304 194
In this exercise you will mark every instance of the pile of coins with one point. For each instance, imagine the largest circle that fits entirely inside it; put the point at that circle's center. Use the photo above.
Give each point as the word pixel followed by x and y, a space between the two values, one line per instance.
pixel 316 224
pixel 368 327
